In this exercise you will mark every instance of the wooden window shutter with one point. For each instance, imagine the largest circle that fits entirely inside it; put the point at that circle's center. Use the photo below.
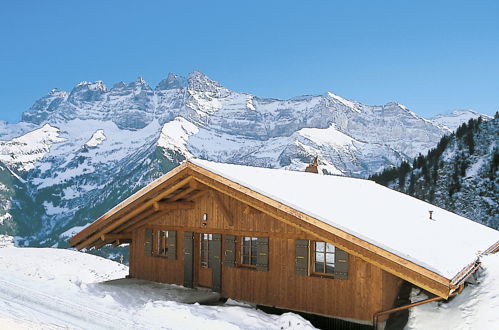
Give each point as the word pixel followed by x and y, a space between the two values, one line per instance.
pixel 172 244
pixel 215 248
pixel 340 264
pixel 230 251
pixel 148 242
pixel 301 256
pixel 262 257
pixel 188 259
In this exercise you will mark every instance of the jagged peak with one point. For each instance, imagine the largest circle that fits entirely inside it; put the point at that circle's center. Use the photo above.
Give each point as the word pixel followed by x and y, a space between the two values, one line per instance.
pixel 119 85
pixel 200 82
pixel 349 103
pixel 139 82
pixel 172 81
pixel 94 86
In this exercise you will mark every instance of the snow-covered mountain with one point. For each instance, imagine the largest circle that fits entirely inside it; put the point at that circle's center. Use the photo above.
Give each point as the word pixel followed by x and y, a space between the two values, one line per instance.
pixel 459 175
pixel 455 118
pixel 75 154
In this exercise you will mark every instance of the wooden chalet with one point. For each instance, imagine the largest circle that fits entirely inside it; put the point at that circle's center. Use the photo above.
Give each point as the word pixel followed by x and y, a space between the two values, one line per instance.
pixel 327 245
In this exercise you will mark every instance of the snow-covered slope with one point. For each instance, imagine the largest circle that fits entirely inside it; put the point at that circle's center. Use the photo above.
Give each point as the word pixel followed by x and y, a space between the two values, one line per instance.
pixel 476 308
pixel 459 175
pixel 60 289
pixel 455 118
pixel 78 153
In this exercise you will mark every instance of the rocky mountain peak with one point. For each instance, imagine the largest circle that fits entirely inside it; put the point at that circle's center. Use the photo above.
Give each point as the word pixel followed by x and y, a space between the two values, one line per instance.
pixel 173 81
pixel 198 81
pixel 87 91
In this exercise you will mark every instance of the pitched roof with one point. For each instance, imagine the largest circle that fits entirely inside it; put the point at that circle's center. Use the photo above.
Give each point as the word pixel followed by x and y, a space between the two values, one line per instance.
pixel 387 228
pixel 386 218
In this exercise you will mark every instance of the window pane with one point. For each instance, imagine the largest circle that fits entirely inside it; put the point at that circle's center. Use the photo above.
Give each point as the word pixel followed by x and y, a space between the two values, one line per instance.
pixel 253 251
pixel 329 268
pixel 330 258
pixel 253 260
pixel 246 250
pixel 245 260
pixel 319 246
pixel 210 237
pixel 329 247
pixel 319 256
pixel 253 239
pixel 319 267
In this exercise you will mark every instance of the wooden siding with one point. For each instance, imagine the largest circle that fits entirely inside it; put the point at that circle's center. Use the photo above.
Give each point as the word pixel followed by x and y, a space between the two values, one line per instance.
pixel 368 288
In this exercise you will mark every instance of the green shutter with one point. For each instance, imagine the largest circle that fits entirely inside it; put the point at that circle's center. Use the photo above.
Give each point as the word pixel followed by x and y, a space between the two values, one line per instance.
pixel 301 256
pixel 340 264
pixel 172 244
pixel 262 258
pixel 188 259
pixel 215 248
pixel 230 251
pixel 148 242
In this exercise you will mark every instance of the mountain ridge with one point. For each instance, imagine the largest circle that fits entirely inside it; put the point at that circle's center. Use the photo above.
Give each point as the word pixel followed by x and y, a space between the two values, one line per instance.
pixel 81 152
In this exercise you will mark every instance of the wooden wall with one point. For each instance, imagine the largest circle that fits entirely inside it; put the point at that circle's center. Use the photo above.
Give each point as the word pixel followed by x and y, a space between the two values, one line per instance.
pixel 367 290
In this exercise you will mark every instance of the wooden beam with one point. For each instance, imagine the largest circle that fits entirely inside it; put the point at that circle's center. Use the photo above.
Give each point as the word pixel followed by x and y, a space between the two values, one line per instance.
pixel 127 226
pixel 250 210
pixel 168 206
pixel 131 214
pixel 198 194
pixel 106 237
pixel 139 196
pixel 193 185
pixel 119 242
pixel 221 205
pixel 100 244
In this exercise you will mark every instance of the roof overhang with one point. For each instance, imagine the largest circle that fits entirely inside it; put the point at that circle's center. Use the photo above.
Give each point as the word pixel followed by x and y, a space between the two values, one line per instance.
pixel 188 181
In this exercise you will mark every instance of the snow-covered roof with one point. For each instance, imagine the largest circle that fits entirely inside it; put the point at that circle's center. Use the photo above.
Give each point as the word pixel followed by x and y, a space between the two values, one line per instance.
pixel 386 218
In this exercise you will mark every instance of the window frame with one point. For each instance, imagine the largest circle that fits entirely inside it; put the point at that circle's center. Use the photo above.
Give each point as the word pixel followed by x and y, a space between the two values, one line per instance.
pixel 325 263
pixel 157 239
pixel 204 260
pixel 253 244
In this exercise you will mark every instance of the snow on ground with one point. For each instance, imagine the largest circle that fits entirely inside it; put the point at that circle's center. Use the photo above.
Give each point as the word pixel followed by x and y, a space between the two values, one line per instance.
pixel 477 307
pixel 42 288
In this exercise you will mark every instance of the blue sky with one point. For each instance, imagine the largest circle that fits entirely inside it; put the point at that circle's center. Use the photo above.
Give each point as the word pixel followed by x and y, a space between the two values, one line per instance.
pixel 432 56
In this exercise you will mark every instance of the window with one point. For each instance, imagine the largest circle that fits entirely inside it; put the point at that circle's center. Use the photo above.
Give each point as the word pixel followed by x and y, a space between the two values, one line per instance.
pixel 162 243
pixel 204 249
pixel 323 258
pixel 249 251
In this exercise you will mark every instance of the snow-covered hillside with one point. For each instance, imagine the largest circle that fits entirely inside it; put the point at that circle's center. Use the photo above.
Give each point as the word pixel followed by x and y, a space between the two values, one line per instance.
pixel 476 308
pixel 44 288
pixel 455 118
pixel 76 154
pixel 459 175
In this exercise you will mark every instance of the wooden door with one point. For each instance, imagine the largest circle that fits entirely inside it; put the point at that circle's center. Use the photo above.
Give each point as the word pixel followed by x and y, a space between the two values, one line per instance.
pixel 188 259
pixel 204 271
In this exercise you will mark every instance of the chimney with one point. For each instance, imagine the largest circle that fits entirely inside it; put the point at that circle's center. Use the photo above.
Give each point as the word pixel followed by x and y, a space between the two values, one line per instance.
pixel 314 167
